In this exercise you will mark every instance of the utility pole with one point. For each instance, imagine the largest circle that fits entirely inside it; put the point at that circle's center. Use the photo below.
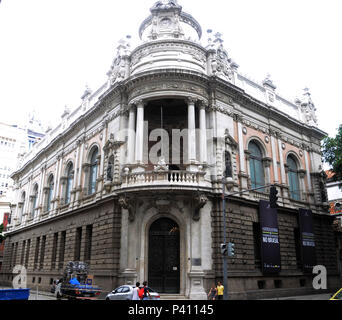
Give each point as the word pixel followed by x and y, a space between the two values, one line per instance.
pixel 225 267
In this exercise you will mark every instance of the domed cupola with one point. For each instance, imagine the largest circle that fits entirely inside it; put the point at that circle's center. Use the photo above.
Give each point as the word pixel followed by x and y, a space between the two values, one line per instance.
pixel 167 20
pixel 171 40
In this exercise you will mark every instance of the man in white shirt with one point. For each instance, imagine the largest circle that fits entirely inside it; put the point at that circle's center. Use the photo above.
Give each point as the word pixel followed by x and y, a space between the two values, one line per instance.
pixel 136 292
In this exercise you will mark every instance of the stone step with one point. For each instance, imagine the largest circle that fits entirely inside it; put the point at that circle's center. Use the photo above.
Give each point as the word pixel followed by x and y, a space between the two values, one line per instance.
pixel 165 296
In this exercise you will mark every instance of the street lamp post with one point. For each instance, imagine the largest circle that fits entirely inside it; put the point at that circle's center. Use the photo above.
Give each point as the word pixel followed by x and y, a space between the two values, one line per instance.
pixel 225 267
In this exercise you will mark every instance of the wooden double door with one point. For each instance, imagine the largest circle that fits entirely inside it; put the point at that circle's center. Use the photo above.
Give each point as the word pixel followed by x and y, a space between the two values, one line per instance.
pixel 164 256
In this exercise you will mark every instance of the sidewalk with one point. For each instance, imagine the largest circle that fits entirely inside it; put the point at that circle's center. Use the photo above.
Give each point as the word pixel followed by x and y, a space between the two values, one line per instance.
pixel 323 296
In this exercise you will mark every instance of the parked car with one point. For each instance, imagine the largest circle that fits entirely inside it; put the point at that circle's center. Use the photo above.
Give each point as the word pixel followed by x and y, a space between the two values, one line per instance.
pixel 125 292
pixel 337 295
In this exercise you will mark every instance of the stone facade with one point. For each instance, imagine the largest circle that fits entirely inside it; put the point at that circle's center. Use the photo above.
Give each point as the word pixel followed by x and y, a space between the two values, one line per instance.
pixel 95 186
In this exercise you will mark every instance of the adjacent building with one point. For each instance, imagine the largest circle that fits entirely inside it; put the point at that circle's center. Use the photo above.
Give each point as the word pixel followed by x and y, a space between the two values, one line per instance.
pixel 15 141
pixel 131 180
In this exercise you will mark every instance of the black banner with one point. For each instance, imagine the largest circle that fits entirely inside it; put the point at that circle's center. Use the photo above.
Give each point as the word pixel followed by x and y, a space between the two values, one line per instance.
pixel 307 239
pixel 270 247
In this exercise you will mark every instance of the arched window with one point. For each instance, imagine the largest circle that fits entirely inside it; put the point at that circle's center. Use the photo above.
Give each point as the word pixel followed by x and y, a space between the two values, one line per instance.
pixel 93 171
pixel 34 199
pixel 255 165
pixel 50 193
pixel 293 178
pixel 70 178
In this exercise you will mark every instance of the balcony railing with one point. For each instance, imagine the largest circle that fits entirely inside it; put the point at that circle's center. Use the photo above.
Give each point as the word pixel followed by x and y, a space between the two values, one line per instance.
pixel 170 178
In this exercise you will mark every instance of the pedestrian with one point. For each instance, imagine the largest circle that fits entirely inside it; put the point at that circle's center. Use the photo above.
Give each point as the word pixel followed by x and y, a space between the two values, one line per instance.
pixel 220 290
pixel 146 295
pixel 212 292
pixel 136 291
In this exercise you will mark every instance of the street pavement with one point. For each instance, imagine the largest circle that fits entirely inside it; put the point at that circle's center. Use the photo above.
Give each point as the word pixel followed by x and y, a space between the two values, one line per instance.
pixel 323 296
pixel 42 295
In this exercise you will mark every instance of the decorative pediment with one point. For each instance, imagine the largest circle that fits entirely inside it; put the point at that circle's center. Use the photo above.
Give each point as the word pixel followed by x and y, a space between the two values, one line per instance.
pixel 111 144
pixel 229 140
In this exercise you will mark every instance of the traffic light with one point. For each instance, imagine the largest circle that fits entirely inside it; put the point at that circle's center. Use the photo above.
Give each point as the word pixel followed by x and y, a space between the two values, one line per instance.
pixel 273 197
pixel 223 248
pixel 231 249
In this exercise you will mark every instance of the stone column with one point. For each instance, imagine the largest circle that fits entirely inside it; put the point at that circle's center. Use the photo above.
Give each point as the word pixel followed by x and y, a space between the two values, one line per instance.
pixel 241 149
pixel 128 272
pixel 242 174
pixel 198 256
pixel 40 194
pixel 274 159
pixel 281 160
pixel 131 135
pixel 79 176
pixel 139 139
pixel 74 180
pixel 285 189
pixel 28 202
pixel 308 177
pixel 191 135
pixel 102 160
pixel 58 179
pixel 203 134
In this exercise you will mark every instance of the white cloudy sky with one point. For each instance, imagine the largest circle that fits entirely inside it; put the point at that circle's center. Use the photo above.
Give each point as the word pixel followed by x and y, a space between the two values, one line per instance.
pixel 50 49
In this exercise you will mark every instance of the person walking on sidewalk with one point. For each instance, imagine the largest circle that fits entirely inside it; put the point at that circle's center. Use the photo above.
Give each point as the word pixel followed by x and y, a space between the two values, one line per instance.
pixel 220 290
pixel 212 293
pixel 136 292
pixel 146 295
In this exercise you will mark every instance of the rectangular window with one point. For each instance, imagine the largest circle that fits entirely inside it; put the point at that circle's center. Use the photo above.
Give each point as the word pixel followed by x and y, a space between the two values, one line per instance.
pixel 27 252
pixel 11 256
pixel 62 250
pixel 54 250
pixel 23 253
pixel 15 254
pixel 42 253
pixel 78 242
pixel 36 254
pixel 88 242
pixel 257 244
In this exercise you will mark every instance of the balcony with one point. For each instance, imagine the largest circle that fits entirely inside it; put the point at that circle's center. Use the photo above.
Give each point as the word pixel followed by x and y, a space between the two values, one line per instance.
pixel 168 179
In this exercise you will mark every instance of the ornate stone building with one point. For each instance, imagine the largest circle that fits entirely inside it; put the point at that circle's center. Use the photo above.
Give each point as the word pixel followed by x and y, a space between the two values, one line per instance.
pixel 131 181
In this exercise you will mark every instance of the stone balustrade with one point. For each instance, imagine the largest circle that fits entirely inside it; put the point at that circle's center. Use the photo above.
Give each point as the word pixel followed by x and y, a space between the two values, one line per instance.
pixel 179 178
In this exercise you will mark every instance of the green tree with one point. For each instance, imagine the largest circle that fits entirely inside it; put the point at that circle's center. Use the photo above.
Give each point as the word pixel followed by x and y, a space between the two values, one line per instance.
pixel 332 153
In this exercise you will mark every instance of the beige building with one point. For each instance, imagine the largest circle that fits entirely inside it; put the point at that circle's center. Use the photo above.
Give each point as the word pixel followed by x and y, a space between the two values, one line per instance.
pixel 131 180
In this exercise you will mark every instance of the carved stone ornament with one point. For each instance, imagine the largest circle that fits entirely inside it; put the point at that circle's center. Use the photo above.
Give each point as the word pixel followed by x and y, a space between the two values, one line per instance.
pixel 199 202
pixel 229 140
pixel 161 166
pixel 129 205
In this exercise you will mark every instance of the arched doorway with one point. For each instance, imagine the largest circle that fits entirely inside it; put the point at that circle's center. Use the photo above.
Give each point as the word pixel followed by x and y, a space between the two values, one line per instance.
pixel 163 256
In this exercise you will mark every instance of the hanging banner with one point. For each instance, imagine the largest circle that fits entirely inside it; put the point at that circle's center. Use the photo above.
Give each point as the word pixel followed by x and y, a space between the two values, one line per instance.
pixel 307 239
pixel 270 246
